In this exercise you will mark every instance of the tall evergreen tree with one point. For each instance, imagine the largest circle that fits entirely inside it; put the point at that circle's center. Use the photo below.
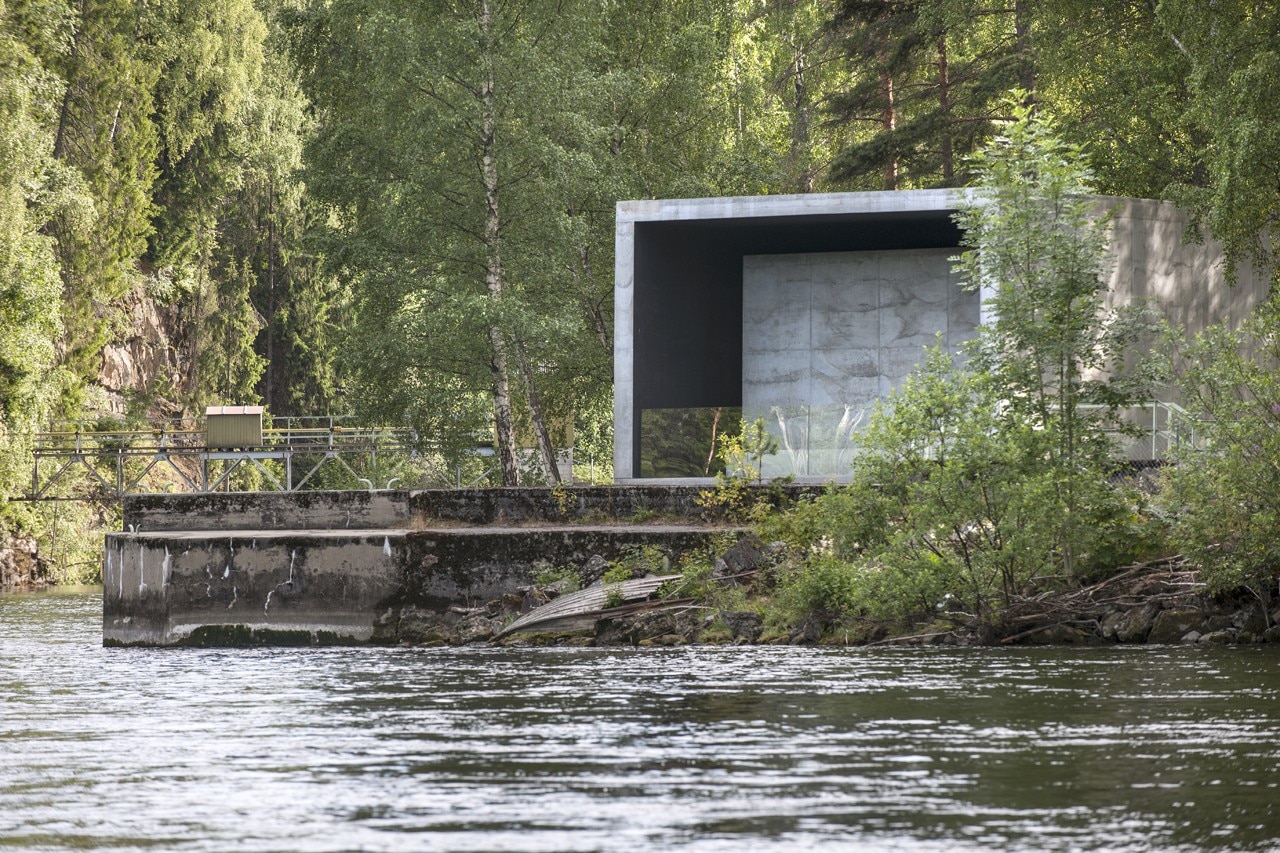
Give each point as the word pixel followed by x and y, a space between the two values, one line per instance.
pixel 928 78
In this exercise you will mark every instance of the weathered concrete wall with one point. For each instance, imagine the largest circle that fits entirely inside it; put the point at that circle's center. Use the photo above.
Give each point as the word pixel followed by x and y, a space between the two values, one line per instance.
pixel 358 510
pixel 571 503
pixel 469 567
pixel 163 588
pixel 249 586
pixel 825 336
pixel 1156 258
pixel 1157 261
pixel 349 510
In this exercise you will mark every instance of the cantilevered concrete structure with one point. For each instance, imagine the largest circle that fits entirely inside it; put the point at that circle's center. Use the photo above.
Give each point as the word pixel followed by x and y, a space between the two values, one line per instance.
pixel 804 310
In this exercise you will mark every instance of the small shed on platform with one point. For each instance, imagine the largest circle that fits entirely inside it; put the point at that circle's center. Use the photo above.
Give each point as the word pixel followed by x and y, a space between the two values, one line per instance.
pixel 229 427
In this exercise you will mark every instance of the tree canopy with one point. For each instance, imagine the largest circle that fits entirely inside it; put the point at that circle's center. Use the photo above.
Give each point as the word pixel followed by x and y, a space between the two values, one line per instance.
pixel 405 209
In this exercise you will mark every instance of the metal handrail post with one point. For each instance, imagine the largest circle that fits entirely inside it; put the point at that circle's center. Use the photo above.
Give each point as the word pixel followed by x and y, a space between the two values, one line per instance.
pixel 1154 429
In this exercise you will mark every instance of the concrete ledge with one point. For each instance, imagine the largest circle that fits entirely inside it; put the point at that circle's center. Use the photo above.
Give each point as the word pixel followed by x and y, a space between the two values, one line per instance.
pixel 407 510
pixel 346 510
pixel 571 503
pixel 330 586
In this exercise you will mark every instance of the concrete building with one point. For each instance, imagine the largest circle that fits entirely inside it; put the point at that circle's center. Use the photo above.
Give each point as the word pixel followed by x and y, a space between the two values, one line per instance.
pixel 804 310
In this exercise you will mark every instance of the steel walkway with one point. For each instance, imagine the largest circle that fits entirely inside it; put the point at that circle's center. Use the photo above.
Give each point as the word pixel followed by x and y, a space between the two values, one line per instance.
pixel 124 461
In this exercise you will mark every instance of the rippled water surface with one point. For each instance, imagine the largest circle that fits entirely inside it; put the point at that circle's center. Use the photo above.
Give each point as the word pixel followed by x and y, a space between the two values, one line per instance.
pixel 604 749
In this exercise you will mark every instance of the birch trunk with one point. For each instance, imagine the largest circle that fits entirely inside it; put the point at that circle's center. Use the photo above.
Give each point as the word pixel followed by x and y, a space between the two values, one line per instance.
pixel 503 423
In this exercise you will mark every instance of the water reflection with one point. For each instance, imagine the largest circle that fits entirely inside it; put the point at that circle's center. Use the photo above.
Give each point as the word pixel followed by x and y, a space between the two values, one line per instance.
pixel 700 749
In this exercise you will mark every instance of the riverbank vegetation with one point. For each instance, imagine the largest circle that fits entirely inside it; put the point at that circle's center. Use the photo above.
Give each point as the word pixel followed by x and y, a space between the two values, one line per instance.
pixel 403 211
pixel 988 497
pixel 994 475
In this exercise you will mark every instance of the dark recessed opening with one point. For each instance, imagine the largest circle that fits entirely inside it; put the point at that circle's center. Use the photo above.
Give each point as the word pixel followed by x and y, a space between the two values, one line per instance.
pixel 688 293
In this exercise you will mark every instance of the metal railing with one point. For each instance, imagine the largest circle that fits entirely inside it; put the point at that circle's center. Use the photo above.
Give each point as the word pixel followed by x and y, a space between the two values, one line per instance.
pixel 1152 431
pixel 129 459
pixel 157 456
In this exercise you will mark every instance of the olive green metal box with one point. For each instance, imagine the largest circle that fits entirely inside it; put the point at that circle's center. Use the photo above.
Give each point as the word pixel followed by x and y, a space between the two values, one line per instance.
pixel 233 426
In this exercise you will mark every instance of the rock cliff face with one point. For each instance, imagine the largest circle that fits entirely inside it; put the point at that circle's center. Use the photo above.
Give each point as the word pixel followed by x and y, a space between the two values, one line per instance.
pixel 20 567
pixel 144 359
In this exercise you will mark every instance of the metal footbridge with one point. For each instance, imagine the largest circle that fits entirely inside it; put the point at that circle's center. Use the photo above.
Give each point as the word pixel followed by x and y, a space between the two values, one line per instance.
pixel 190 455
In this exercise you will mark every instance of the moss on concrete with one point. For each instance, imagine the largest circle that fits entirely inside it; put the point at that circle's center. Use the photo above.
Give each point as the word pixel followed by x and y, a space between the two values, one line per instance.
pixel 246 636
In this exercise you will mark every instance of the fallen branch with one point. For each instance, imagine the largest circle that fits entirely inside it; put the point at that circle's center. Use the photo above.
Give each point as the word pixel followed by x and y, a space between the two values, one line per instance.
pixel 896 640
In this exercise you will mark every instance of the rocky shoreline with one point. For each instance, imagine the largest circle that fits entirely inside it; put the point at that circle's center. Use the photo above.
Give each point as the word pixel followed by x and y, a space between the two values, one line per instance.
pixel 1156 603
pixel 21 569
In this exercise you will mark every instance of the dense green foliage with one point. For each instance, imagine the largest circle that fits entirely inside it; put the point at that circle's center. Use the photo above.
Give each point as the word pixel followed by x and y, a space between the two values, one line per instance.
pixel 149 157
pixel 1224 495
pixel 404 210
pixel 990 478
pixel 1176 99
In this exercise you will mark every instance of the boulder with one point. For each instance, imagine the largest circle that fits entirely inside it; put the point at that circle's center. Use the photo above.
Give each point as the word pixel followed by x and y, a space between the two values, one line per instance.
pixel 1223 637
pixel 1218 622
pixel 745 624
pixel 593 570
pixel 413 624
pixel 809 632
pixel 1249 619
pixel 663 640
pixel 475 629
pixel 614 632
pixel 1109 628
pixel 1135 626
pixel 555 589
pixel 648 629
pixel 533 599
pixel 1170 626
pixel 744 558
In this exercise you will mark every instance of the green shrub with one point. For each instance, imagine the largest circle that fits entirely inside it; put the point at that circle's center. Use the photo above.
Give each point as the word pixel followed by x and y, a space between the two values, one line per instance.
pixel 1223 496
pixel 565 576
pixel 985 479
pixel 695 578
pixel 737 492
pixel 822 585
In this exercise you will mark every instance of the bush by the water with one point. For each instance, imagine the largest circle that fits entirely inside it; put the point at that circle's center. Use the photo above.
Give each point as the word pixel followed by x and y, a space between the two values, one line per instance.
pixel 989 477
pixel 1223 496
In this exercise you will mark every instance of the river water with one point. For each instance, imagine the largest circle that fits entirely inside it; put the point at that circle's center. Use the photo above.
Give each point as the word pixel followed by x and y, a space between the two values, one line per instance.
pixel 702 749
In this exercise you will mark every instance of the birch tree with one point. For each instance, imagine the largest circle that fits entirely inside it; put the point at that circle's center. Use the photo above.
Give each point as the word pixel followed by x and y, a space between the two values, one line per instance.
pixel 447 132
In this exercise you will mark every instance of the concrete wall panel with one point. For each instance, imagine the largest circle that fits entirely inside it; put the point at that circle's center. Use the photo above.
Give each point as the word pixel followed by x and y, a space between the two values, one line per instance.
pixel 827 334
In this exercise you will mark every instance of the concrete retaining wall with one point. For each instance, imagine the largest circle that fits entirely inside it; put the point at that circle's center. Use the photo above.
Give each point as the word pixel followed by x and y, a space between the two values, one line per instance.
pixel 169 588
pixel 232 569
pixel 225 511
pixel 358 510
pixel 597 504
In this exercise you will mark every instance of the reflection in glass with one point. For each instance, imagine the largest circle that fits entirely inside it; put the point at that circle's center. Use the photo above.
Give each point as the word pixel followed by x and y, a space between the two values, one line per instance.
pixel 682 442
